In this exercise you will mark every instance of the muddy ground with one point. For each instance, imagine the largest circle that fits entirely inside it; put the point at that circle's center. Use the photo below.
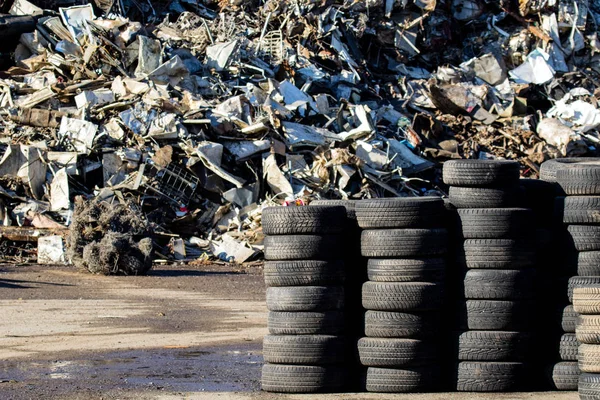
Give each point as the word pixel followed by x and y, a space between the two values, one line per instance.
pixel 190 332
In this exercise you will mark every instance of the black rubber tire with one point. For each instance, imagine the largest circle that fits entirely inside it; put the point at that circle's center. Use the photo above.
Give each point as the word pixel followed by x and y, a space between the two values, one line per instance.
pixel 498 254
pixel 349 205
pixel 589 386
pixel 480 172
pixel 585 237
pixel 589 358
pixel 588 263
pixel 303 247
pixel 494 315
pixel 406 380
pixel 581 281
pixel 588 329
pixel 401 212
pixel 389 324
pixel 402 296
pixel 305 298
pixel 586 300
pixel 565 375
pixel 304 273
pixel 549 169
pixel 544 238
pixel 493 346
pixel 406 270
pixel 403 243
pixel 540 196
pixel 476 376
pixel 495 223
pixel 305 323
pixel 569 319
pixel 466 197
pixel 499 284
pixel 582 210
pixel 568 347
pixel 303 220
pixel 303 349
pixel 538 193
pixel 580 180
pixel 388 352
pixel 302 378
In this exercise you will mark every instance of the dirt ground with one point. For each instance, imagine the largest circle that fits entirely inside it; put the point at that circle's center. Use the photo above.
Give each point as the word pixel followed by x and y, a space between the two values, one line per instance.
pixel 180 333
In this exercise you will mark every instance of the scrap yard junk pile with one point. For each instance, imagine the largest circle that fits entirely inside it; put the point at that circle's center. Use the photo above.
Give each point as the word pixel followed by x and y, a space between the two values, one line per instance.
pixel 201 113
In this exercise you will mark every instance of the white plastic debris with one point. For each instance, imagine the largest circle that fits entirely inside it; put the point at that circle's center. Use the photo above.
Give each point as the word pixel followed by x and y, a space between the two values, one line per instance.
pixel 50 250
pixel 79 133
pixel 578 115
pixel 535 69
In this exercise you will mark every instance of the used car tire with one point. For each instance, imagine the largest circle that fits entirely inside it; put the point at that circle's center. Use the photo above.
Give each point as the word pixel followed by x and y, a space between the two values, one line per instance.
pixel 303 349
pixel 304 273
pixel 549 169
pixel 480 172
pixel 565 375
pixel 585 237
pixel 498 254
pixel 495 223
pixel 406 269
pixel 405 380
pixel 402 296
pixel 403 243
pixel 303 220
pixel 402 212
pixel 580 179
pixel 568 347
pixel 305 298
pixel 494 315
pixel 499 284
pixel 302 378
pixel 581 281
pixel 588 263
pixel 393 352
pixel 589 358
pixel 303 247
pixel 589 386
pixel 305 323
pixel 569 319
pixel 588 329
pixel 493 346
pixel 467 197
pixel 586 300
pixel 389 324
pixel 488 376
pixel 581 210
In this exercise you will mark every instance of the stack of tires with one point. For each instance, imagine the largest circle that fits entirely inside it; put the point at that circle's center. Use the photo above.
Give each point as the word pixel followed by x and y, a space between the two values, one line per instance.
pixel 495 275
pixel 356 275
pixel 553 373
pixel 580 182
pixel 586 302
pixel 564 371
pixel 405 242
pixel 305 350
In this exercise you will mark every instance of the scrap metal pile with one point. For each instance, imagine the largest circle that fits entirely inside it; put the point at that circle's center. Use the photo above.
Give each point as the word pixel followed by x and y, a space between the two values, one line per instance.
pixel 203 112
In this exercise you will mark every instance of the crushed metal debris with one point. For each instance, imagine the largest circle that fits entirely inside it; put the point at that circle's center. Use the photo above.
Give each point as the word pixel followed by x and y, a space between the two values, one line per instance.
pixel 198 114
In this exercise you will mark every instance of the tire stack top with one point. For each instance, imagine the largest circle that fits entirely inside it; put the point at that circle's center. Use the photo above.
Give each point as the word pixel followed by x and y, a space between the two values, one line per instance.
pixel 586 302
pixel 405 243
pixel 495 274
pixel 304 274
pixel 579 180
